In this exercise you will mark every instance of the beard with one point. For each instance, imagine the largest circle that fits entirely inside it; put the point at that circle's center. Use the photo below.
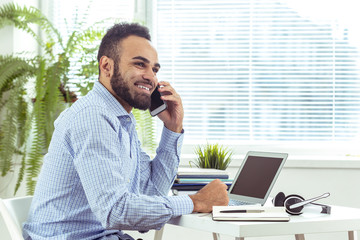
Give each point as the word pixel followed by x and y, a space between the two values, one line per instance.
pixel 122 90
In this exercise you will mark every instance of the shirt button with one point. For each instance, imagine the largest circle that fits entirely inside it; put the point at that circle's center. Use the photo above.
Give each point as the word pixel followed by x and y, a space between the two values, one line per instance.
pixel 128 119
pixel 128 180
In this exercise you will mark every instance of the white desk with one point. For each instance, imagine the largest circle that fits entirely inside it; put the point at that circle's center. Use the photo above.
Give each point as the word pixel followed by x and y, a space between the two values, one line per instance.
pixel 341 219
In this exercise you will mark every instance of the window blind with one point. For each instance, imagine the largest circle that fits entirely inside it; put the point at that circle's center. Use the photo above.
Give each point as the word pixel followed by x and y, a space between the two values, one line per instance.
pixel 258 70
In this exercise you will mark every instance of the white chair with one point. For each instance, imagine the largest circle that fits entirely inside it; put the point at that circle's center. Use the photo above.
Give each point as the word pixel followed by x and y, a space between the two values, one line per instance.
pixel 14 212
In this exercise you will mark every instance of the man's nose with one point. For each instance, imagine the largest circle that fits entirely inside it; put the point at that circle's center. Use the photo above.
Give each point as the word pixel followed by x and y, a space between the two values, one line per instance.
pixel 150 75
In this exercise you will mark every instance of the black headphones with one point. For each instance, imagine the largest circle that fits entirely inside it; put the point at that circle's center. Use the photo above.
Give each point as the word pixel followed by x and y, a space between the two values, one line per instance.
pixel 294 204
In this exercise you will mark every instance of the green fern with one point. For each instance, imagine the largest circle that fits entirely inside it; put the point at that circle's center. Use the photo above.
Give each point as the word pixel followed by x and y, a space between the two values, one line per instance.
pixel 22 119
pixel 38 142
pixel 10 130
pixel 50 70
pixel 145 127
pixel 12 68
pixel 24 17
pixel 14 73
pixel 7 142
pixel 89 67
pixel 24 126
pixel 21 174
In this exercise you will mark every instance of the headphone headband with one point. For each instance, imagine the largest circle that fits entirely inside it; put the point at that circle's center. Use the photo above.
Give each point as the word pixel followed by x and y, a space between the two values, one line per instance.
pixel 294 204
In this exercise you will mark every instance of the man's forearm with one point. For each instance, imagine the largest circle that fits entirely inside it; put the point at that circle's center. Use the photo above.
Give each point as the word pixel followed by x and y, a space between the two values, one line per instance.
pixel 165 164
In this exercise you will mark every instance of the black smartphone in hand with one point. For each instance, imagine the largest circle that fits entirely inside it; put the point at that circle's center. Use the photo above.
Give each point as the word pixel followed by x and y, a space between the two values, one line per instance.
pixel 157 104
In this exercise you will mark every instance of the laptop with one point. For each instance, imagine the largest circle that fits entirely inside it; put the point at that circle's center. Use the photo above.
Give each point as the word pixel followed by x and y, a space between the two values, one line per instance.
pixel 256 177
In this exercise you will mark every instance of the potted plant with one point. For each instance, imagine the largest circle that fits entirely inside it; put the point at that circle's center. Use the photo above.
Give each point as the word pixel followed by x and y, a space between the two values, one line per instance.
pixel 32 112
pixel 213 156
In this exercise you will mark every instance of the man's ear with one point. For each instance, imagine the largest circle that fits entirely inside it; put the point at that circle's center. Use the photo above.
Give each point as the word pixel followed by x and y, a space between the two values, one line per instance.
pixel 106 66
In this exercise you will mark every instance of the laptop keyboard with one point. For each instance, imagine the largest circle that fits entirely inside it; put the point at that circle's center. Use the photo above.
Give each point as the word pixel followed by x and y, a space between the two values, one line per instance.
pixel 233 202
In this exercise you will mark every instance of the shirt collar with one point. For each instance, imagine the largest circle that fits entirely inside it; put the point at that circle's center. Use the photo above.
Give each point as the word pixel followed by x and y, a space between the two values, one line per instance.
pixel 110 100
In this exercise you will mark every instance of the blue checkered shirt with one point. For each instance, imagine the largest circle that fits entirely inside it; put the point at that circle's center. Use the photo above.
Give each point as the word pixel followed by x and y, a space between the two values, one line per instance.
pixel 96 181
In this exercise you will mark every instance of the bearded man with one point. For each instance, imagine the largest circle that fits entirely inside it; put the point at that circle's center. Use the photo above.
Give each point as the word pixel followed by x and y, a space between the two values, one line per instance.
pixel 96 181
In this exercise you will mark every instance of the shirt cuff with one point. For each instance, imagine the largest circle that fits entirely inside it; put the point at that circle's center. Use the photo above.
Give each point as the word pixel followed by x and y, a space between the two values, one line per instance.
pixel 171 141
pixel 181 205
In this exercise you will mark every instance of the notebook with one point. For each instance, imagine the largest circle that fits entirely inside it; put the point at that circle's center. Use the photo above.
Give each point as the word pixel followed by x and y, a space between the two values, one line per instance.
pixel 256 177
pixel 250 213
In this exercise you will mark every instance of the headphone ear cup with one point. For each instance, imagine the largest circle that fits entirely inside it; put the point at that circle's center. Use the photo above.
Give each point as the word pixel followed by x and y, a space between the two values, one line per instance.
pixel 279 199
pixel 293 196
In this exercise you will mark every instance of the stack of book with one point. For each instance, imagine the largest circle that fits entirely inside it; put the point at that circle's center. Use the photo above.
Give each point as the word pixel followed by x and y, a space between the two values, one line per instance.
pixel 193 179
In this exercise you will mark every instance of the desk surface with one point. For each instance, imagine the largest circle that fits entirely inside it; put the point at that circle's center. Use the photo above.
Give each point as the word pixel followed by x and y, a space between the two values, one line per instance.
pixel 341 219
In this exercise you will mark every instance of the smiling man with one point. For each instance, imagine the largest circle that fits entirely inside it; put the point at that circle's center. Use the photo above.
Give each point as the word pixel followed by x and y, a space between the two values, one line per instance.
pixel 96 181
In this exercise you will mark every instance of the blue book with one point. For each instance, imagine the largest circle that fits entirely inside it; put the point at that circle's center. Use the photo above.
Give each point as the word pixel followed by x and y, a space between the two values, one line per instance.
pixel 200 180
pixel 191 186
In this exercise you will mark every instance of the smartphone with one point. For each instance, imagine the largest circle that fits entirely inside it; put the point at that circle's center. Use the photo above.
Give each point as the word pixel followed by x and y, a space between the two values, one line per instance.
pixel 157 104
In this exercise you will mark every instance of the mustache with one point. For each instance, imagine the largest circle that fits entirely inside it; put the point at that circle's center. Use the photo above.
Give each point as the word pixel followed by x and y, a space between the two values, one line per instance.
pixel 147 82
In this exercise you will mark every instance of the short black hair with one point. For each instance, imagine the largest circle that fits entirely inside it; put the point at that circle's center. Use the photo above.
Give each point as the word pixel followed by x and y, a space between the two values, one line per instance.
pixel 109 43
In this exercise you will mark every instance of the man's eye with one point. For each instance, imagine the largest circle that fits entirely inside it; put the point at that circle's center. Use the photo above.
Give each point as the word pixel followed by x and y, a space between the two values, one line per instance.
pixel 140 64
pixel 155 70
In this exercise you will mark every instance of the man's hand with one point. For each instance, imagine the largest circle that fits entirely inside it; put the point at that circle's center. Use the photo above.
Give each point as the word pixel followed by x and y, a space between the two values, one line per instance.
pixel 174 114
pixel 213 194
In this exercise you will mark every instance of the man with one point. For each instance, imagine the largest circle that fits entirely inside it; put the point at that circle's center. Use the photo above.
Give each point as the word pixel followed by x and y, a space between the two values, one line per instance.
pixel 96 180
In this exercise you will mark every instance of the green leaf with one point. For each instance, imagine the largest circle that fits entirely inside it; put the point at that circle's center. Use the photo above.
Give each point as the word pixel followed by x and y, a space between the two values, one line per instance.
pixel 24 17
pixel 36 109
pixel 212 156
pixel 145 126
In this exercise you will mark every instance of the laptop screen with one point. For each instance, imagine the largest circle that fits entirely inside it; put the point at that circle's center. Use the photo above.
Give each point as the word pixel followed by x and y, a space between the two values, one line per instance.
pixel 256 176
